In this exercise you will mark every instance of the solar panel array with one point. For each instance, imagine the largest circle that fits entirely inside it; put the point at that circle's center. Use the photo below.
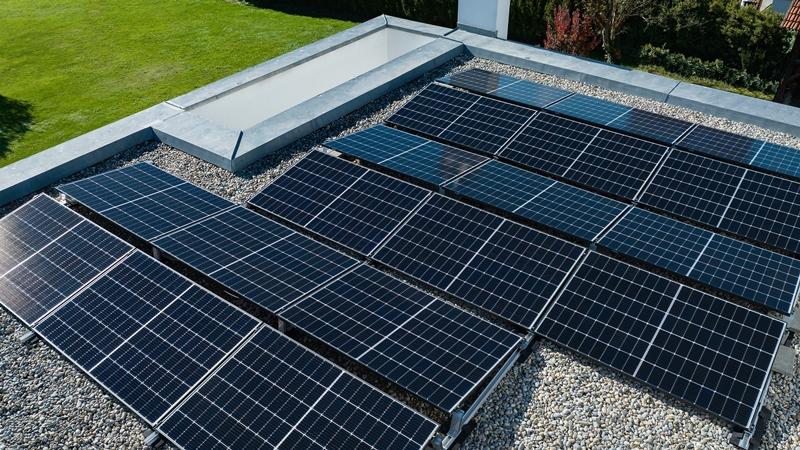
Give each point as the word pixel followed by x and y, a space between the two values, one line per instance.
pixel 706 351
pixel 150 337
pixel 500 266
pixel 47 253
pixel 590 156
pixel 749 272
pixel 274 393
pixel 751 204
pixel 348 204
pixel 413 156
pixel 466 119
pixel 506 88
pixel 145 200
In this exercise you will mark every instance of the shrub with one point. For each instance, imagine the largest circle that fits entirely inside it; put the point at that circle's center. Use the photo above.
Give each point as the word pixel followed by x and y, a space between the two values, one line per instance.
pixel 570 34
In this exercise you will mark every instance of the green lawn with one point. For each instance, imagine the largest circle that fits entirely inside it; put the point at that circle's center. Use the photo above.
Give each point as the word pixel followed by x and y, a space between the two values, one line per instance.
pixel 67 68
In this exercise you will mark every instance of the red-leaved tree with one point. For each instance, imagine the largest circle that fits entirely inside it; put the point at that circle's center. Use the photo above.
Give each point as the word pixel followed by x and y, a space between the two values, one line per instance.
pixel 570 35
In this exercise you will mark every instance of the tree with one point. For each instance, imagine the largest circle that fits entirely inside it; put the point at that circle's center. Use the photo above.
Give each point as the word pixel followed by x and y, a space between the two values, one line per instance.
pixel 570 35
pixel 609 17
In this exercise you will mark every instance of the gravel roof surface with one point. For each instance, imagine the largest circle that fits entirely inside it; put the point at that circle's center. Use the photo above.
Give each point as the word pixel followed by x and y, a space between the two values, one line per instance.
pixel 554 399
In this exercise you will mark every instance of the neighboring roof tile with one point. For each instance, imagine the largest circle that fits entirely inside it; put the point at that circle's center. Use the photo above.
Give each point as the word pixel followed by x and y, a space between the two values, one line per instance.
pixel 792 19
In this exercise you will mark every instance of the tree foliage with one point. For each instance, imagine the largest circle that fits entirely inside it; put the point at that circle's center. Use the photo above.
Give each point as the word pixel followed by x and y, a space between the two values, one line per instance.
pixel 610 18
pixel 570 34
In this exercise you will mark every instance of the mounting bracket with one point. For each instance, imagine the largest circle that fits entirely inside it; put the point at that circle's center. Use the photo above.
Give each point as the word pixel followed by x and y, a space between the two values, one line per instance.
pixel 29 337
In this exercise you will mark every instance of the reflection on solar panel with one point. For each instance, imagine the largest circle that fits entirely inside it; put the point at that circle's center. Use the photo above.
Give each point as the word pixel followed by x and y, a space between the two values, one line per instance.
pixel 694 187
pixel 145 200
pixel 722 144
pixel 255 257
pixel 601 159
pixel 417 157
pixel 274 393
pixel 779 159
pixel 502 267
pixel 421 343
pixel 506 88
pixel 146 333
pixel 754 274
pixel 47 253
pixel 708 352
pixel 622 118
pixel 547 202
pixel 348 204
pixel 479 123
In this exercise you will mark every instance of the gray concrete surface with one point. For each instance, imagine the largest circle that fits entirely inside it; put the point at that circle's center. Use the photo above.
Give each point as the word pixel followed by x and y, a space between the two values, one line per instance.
pixel 784 361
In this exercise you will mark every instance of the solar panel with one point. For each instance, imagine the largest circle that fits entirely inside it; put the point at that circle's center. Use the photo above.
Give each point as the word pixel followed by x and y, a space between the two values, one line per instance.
pixel 146 333
pixel 779 159
pixel 500 266
pixel 706 351
pixel 47 253
pixel 588 155
pixel 274 393
pixel 694 187
pixel 754 274
pixel 463 118
pixel 589 109
pixel 651 126
pixel 721 144
pixel 506 88
pixel 255 257
pixel 145 200
pixel 766 209
pixel 410 155
pixel 423 344
pixel 547 202
pixel 348 204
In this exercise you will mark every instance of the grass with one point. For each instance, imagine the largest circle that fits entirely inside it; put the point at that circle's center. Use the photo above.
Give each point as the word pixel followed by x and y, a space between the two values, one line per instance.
pixel 704 82
pixel 67 68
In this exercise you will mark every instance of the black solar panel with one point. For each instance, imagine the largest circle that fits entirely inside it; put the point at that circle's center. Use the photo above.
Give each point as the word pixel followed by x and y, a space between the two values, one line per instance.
pixel 694 187
pixel 428 347
pixel 348 204
pixel 766 209
pixel 507 88
pixel 721 144
pixel 706 351
pixel 146 333
pixel 416 157
pixel 600 159
pixel 754 274
pixel 589 109
pixel 255 257
pixel 479 123
pixel 502 267
pixel 550 203
pixel 145 200
pixel 274 393
pixel 47 253
pixel 650 126
pixel 779 159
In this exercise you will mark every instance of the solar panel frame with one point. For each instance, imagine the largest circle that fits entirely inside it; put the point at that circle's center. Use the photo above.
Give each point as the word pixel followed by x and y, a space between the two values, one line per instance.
pixel 649 327
pixel 256 257
pixel 502 87
pixel 428 162
pixel 434 350
pixel 48 254
pixel 266 348
pixel 358 215
pixel 159 203
pixel 101 360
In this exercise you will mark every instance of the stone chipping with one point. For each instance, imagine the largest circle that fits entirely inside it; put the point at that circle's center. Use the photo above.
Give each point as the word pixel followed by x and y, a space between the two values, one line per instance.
pixel 554 399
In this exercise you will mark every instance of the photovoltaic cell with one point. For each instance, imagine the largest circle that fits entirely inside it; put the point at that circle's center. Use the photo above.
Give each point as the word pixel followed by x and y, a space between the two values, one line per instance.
pixel 694 187
pixel 506 88
pixel 779 159
pixel 145 200
pixel 706 351
pixel 146 333
pixel 751 273
pixel 348 204
pixel 547 202
pixel 500 266
pixel 480 123
pixel 274 393
pixel 255 257
pixel 589 109
pixel 588 155
pixel 721 144
pixel 428 347
pixel 416 157
pixel 47 253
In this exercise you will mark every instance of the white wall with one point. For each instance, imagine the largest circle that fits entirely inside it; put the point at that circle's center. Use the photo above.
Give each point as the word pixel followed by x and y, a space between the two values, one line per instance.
pixel 490 15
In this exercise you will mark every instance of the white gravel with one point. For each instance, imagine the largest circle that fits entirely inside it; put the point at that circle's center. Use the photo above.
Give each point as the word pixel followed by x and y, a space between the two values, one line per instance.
pixel 555 399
